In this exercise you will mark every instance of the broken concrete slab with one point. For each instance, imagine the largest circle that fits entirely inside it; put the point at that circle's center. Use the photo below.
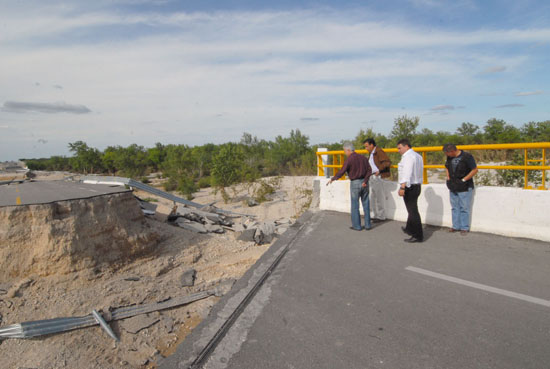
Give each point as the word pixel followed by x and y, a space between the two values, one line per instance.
pixel 265 233
pixel 216 218
pixel 191 226
pixel 188 278
pixel 247 235
pixel 283 221
pixel 146 207
pixel 214 228
pixel 137 323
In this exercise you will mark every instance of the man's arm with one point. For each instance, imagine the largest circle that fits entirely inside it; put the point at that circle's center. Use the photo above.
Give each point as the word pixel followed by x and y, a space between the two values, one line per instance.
pixel 367 175
pixel 472 164
pixel 384 160
pixel 408 166
pixel 341 172
pixel 470 175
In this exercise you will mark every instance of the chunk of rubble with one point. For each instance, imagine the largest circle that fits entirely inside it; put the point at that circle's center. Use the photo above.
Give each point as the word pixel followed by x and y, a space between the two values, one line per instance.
pixel 191 226
pixel 264 233
pixel 188 278
pixel 247 235
pixel 213 228
pixel 146 207
pixel 203 215
pixel 283 221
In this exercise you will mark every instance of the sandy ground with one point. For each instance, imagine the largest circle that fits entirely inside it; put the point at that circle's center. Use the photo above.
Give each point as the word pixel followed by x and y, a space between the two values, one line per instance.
pixel 218 259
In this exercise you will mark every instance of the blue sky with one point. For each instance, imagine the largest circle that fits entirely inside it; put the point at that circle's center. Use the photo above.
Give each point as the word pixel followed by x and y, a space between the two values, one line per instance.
pixel 117 72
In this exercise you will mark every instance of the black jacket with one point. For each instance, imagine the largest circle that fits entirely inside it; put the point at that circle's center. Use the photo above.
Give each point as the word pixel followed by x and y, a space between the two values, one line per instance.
pixel 465 165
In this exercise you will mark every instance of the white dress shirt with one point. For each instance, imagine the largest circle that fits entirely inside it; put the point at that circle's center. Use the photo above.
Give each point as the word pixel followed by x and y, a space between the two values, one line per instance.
pixel 371 161
pixel 410 168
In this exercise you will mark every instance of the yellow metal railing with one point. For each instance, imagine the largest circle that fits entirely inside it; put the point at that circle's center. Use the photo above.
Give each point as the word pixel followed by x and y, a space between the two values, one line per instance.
pixel 339 157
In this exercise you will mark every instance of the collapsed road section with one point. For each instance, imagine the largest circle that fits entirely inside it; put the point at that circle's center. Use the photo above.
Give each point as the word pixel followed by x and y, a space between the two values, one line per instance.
pixel 57 227
pixel 64 258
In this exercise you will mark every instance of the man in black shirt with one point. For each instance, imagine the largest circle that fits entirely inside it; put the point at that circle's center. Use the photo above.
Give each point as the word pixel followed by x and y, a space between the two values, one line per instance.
pixel 461 168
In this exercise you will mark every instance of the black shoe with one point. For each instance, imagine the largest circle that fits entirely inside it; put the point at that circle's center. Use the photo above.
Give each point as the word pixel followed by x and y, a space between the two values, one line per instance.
pixel 405 231
pixel 376 220
pixel 355 229
pixel 412 240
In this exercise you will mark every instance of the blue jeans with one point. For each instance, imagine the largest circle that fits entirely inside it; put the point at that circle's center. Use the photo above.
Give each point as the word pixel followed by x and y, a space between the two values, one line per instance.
pixel 461 205
pixel 359 193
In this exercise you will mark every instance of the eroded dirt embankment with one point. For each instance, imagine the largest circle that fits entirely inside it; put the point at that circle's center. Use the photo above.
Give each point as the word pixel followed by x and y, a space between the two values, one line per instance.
pixel 69 236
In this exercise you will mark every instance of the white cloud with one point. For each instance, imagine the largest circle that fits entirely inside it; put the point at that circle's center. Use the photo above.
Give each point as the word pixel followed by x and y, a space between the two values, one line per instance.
pixel 442 107
pixel 510 106
pixel 530 93
pixel 495 69
pixel 50 108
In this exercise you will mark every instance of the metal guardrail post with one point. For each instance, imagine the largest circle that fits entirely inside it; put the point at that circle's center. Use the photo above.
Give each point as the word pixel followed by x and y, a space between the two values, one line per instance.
pixel 424 170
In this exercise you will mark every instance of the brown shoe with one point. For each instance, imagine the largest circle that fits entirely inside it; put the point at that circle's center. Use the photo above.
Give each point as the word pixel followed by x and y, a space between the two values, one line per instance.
pixel 463 232
pixel 452 230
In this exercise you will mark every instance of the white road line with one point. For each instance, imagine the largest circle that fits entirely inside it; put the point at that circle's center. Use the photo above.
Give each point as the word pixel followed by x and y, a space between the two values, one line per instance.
pixel 479 286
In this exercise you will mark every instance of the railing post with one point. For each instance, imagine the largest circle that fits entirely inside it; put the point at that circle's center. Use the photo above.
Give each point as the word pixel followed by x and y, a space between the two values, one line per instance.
pixel 322 160
pixel 525 176
pixel 543 185
pixel 425 171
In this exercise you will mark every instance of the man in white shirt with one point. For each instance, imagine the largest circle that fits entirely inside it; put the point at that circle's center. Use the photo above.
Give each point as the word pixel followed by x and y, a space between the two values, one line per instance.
pixel 410 170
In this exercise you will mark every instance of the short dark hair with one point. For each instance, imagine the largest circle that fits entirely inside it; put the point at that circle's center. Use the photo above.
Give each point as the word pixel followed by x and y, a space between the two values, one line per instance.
pixel 370 141
pixel 448 147
pixel 404 142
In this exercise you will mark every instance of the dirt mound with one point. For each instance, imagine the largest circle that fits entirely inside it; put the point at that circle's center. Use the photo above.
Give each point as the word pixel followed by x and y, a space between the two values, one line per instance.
pixel 68 236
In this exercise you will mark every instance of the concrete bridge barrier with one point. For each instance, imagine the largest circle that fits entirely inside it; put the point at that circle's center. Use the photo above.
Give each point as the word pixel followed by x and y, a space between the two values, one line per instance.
pixel 512 212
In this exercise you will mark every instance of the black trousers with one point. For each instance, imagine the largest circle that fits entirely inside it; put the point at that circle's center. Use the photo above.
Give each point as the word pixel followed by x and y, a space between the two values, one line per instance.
pixel 414 223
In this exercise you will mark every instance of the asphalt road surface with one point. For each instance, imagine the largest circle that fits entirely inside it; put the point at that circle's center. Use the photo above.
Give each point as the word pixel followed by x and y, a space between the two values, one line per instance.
pixel 43 192
pixel 347 299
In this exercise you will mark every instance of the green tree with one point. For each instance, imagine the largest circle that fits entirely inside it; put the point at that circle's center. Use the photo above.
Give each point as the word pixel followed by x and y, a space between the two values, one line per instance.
pixel 467 130
pixel 156 156
pixel 287 152
pixel 202 157
pixel 227 167
pixel 404 127
pixel 131 161
pixel 86 159
pixel 493 129
pixel 108 159
pixel 536 131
